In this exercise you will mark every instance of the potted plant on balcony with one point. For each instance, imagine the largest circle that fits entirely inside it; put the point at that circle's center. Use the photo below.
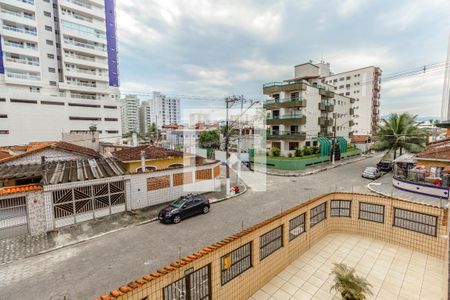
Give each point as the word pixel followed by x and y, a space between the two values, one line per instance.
pixel 348 284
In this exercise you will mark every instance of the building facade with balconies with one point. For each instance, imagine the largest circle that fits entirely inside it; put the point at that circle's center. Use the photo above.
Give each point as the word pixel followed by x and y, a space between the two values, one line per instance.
pixel 58 69
pixel 363 85
pixel 302 109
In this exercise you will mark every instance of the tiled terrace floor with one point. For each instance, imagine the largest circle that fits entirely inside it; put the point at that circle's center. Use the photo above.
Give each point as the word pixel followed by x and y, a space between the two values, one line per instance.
pixel 394 272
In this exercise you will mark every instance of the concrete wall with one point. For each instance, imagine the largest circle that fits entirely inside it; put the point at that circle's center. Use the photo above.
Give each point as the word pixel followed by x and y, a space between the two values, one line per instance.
pixel 158 163
pixel 262 271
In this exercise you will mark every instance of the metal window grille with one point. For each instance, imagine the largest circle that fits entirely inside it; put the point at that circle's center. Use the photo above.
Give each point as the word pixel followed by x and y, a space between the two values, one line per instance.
pixel 371 212
pixel 270 242
pixel 341 208
pixel 318 214
pixel 236 262
pixel 414 221
pixel 13 212
pixel 194 286
pixel 296 226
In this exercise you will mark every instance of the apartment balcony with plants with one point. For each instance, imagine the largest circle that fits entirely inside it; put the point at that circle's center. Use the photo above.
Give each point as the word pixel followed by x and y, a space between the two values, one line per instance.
pixel 290 102
pixel 292 118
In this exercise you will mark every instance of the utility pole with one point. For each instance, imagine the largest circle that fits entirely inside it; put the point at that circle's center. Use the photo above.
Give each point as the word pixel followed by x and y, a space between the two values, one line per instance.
pixel 333 144
pixel 238 175
pixel 227 154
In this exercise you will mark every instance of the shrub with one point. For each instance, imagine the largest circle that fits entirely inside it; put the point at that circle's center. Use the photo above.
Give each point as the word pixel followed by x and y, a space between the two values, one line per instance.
pixel 306 150
pixel 276 151
pixel 290 155
pixel 298 152
pixel 315 150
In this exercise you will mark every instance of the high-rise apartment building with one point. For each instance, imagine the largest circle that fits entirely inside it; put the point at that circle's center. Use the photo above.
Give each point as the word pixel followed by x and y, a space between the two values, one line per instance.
pixel 144 117
pixel 364 86
pixel 58 69
pixel 445 110
pixel 304 111
pixel 164 110
pixel 130 114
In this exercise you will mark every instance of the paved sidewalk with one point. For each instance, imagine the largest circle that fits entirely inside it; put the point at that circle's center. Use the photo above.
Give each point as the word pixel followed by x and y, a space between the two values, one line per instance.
pixel 12 249
pixel 383 186
pixel 318 168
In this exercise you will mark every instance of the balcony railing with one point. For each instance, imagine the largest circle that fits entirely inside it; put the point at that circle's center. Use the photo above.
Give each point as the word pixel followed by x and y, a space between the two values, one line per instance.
pixel 325 122
pixel 19 45
pixel 20 30
pixel 298 119
pixel 23 76
pixel 23 61
pixel 376 103
pixel 80 3
pixel 84 45
pixel 328 107
pixel 274 134
pixel 26 1
pixel 294 85
pixel 285 103
pixel 81 96
pixel 326 93
pixel 86 84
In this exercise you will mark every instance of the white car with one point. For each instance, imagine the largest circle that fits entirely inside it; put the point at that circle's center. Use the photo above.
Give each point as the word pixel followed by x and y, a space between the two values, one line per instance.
pixel 371 173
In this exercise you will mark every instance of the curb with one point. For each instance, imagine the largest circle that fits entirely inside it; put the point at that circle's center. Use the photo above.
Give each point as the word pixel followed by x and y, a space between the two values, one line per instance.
pixel 319 170
pixel 232 196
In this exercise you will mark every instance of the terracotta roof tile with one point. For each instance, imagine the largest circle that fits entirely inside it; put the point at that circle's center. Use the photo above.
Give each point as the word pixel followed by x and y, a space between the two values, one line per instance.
pixel 151 152
pixel 19 189
pixel 4 154
pixel 439 151
pixel 358 139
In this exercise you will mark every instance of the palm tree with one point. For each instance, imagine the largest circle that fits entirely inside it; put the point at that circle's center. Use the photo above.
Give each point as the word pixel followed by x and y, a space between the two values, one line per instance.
pixel 348 284
pixel 398 132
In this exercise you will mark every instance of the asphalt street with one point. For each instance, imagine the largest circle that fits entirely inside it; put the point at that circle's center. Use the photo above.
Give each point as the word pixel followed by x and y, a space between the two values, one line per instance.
pixel 93 268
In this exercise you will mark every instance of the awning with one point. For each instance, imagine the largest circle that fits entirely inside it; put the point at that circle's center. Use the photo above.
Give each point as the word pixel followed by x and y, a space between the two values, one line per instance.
pixel 406 158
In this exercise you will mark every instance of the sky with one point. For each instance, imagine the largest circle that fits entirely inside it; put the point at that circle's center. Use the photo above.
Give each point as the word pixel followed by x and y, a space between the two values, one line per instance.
pixel 202 51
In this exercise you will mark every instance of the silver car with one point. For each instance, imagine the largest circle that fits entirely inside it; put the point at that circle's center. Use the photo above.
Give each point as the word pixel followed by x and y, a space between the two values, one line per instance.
pixel 371 173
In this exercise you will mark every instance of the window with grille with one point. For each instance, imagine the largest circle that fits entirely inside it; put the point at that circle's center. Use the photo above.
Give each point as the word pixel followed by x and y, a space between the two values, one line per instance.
pixel 296 226
pixel 371 212
pixel 236 262
pixel 414 221
pixel 270 242
pixel 318 214
pixel 341 208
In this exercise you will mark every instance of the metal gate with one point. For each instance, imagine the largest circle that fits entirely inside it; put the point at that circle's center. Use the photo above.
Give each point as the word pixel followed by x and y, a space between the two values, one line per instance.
pixel 13 217
pixel 194 286
pixel 84 203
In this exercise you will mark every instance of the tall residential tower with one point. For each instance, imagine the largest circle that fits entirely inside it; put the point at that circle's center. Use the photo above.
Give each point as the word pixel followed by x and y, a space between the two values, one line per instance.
pixel 58 69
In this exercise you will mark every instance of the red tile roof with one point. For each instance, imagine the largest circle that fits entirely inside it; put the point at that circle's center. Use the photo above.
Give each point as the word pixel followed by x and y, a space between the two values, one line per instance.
pixel 34 147
pixel 439 151
pixel 359 139
pixel 151 152
pixel 4 154
pixel 19 189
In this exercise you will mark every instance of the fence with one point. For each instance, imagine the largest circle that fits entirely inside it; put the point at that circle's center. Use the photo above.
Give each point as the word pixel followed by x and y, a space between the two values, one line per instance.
pixel 241 264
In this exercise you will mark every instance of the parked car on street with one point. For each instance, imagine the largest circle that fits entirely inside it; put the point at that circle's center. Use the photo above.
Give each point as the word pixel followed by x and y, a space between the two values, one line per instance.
pixel 385 165
pixel 184 207
pixel 371 173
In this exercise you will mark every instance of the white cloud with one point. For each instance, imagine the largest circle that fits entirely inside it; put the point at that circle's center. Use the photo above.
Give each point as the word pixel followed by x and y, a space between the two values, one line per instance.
pixel 351 58
pixel 347 8
pixel 261 69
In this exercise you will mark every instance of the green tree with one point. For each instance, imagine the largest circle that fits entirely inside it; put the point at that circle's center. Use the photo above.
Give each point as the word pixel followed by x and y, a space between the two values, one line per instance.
pixel 348 284
pixel 276 152
pixel 210 139
pixel 398 132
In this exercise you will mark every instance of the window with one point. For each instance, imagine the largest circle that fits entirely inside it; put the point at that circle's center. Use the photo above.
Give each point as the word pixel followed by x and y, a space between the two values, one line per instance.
pixel 341 79
pixel 52 70
pixel 296 226
pixel 236 262
pixel 49 42
pixel 85 119
pixel 34 89
pixel 52 83
pixel 51 56
pixel 414 221
pixel 371 212
pixel 348 78
pixel 111 119
pixel 48 28
pixel 2 131
pixel 47 14
pixel 270 242
pixel 318 214
pixel 110 106
pixel 341 208
pixel 23 101
pixel 112 131
pixel 293 145
pixel 52 103
pixel 2 116
pixel 84 105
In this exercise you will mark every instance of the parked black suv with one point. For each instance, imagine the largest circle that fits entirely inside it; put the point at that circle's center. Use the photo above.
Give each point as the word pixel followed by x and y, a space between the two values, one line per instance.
pixel 184 207
pixel 385 165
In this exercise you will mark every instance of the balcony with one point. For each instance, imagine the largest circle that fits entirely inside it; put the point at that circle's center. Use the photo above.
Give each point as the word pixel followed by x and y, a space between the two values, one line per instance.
pixel 286 135
pixel 375 111
pixel 286 86
pixel 323 121
pixel 352 100
pixel 284 103
pixel 295 119
pixel 325 134
pixel 20 32
pixel 326 93
pixel 85 7
pixel 351 123
pixel 85 47
pixel 376 102
pixel 352 111
pixel 326 107
pixel 350 134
